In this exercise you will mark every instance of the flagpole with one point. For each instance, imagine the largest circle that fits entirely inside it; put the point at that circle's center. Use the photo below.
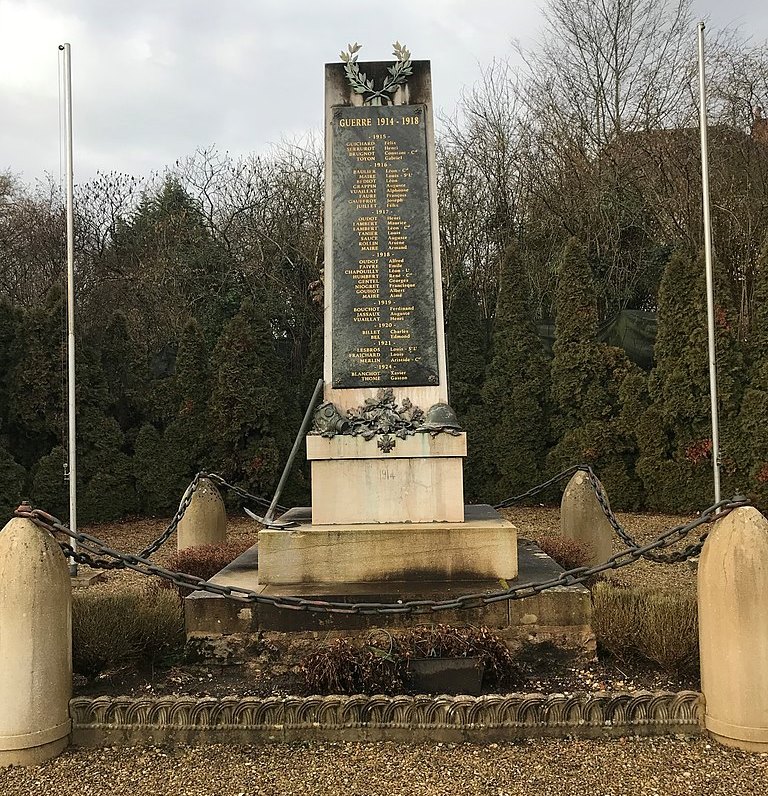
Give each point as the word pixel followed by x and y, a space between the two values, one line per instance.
pixel 72 437
pixel 708 263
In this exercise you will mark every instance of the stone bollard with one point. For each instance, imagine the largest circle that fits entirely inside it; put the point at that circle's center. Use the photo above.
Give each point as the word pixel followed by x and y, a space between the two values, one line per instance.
pixel 205 520
pixel 583 521
pixel 733 629
pixel 35 645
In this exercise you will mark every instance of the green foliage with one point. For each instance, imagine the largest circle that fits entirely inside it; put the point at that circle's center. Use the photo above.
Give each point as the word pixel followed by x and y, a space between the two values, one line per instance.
pixel 123 363
pixel 753 419
pixel 104 472
pixel 513 434
pixel 49 490
pixel 247 405
pixel 466 347
pixel 188 436
pixel 157 473
pixel 13 478
pixel 10 319
pixel 113 630
pixel 674 433
pixel 587 377
pixel 35 410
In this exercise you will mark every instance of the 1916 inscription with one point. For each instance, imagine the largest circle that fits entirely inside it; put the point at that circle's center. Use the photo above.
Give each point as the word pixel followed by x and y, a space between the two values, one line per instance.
pixel 384 323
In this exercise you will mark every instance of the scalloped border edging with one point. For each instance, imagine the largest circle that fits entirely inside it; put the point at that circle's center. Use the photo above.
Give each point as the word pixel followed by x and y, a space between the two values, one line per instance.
pixel 106 720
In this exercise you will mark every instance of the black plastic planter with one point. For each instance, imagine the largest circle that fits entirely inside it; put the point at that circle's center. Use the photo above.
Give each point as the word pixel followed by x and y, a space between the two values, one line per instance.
pixel 446 675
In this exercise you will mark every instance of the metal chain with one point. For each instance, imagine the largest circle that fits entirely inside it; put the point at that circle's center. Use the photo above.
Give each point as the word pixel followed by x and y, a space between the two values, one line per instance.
pixel 90 545
pixel 186 499
pixel 691 550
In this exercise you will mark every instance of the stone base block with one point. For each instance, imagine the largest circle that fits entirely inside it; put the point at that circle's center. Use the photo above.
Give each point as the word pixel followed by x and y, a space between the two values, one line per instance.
pixel 33 755
pixel 354 481
pixel 482 545
pixel 560 616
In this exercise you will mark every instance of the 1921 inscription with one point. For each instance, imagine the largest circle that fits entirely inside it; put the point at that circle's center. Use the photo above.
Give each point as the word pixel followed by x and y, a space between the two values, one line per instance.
pixel 384 323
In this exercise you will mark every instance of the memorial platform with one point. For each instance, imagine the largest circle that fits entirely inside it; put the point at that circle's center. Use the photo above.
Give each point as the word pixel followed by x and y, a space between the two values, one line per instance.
pixel 560 616
pixel 481 544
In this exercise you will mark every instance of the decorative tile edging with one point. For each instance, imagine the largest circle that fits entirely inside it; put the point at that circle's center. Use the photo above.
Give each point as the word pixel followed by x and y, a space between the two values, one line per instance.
pixel 107 720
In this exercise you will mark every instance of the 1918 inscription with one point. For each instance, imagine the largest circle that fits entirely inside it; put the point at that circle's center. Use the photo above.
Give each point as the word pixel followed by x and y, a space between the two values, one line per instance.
pixel 384 324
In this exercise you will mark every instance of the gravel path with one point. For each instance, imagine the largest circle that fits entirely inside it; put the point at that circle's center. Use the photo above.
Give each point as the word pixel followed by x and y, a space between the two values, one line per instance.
pixel 631 767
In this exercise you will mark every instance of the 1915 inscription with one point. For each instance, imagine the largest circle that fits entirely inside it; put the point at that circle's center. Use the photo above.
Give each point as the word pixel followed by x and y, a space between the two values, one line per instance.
pixel 384 324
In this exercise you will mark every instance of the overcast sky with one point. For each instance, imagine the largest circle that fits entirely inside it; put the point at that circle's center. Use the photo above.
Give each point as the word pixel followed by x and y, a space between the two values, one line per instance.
pixel 155 79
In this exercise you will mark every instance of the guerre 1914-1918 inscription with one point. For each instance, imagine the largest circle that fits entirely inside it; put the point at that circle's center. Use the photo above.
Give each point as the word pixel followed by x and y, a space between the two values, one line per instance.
pixel 384 323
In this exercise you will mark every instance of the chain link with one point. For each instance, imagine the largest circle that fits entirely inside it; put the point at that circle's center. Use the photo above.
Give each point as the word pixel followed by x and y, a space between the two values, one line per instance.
pixel 90 546
pixel 156 544
pixel 691 550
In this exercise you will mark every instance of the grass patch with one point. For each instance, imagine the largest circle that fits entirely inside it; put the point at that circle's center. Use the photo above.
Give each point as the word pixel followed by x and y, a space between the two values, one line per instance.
pixel 111 631
pixel 654 626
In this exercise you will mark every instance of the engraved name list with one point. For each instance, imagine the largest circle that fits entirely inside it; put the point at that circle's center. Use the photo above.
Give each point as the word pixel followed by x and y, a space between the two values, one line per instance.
pixel 383 305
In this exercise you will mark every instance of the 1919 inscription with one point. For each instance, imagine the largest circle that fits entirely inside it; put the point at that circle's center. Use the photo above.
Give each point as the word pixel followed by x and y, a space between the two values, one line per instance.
pixel 384 323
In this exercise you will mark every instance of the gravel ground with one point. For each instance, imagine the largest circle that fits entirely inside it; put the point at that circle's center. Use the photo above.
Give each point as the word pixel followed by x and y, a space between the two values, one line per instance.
pixel 624 767
pixel 668 766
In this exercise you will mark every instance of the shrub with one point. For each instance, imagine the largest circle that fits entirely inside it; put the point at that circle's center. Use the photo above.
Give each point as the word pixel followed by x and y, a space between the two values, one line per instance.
pixel 205 561
pixel 568 553
pixel 444 641
pixel 130 628
pixel 343 668
pixel 381 666
pixel 650 625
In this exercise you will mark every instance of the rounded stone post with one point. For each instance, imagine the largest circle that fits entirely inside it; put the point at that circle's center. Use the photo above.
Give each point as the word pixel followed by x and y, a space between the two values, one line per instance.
pixel 733 629
pixel 35 645
pixel 582 519
pixel 205 520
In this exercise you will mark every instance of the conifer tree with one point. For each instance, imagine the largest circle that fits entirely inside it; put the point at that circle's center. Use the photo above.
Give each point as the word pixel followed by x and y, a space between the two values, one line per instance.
pixel 123 363
pixel 674 433
pixel 466 348
pixel 248 407
pixel 189 434
pixel 49 490
pixel 753 419
pixel 586 381
pixel 9 354
pixel 36 411
pixel 13 478
pixel 159 482
pixel 514 431
pixel 104 476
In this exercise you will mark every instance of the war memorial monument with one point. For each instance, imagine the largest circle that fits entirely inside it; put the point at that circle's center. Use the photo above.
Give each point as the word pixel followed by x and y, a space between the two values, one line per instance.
pixel 388 520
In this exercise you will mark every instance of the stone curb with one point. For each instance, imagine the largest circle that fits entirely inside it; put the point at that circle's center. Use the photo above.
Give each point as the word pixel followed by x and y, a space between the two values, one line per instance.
pixel 127 721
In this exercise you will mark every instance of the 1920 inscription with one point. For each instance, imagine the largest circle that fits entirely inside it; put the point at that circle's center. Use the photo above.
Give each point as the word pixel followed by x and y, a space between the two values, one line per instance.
pixel 384 323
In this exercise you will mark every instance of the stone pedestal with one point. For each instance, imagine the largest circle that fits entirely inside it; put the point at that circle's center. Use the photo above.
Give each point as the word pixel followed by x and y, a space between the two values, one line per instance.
pixel 733 631
pixel 358 481
pixel 482 545
pixel 35 645
pixel 558 616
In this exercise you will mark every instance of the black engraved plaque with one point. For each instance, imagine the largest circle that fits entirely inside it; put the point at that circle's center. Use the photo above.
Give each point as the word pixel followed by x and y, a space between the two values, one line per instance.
pixel 384 323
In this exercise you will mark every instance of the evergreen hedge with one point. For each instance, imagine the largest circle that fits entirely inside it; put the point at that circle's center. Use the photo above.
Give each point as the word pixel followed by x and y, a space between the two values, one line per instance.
pixel 226 393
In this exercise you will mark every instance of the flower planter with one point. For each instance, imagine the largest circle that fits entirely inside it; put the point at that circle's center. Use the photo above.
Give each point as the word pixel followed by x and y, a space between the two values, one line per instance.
pixel 446 675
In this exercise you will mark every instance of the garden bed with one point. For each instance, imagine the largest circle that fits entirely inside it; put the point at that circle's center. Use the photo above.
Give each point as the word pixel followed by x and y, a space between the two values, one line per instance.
pixel 163 671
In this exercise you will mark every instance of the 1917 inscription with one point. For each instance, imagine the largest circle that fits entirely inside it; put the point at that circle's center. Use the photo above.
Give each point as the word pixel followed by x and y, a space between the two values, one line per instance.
pixel 384 323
